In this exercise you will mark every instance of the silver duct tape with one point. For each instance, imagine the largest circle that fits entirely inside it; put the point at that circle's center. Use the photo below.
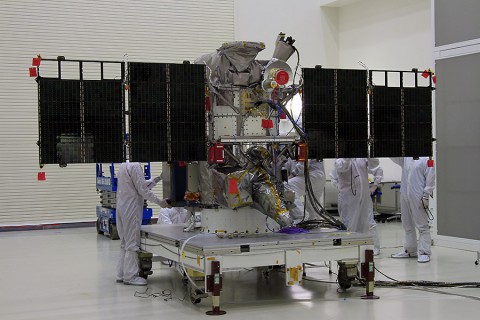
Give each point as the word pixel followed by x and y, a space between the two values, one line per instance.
pixel 268 201
pixel 239 189
pixel 233 190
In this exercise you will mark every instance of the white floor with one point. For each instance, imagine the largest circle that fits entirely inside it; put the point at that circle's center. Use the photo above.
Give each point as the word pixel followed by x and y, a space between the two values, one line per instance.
pixel 69 274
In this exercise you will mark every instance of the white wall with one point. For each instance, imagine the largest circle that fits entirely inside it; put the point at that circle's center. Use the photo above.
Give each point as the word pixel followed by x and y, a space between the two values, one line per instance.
pixel 456 55
pixel 314 30
pixel 386 34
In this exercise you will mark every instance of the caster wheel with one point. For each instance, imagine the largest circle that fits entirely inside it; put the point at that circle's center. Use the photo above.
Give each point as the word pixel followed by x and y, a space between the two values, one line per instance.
pixel 98 227
pixel 343 280
pixel 194 296
pixel 195 301
pixel 112 229
pixel 266 275
pixel 476 262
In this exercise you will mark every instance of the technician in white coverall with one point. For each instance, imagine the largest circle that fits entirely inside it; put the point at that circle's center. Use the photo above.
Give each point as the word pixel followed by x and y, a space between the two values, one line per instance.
pixel 355 206
pixel 296 182
pixel 418 182
pixel 173 215
pixel 132 189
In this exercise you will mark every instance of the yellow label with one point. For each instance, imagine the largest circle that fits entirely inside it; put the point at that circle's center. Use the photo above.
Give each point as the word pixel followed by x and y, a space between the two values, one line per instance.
pixel 184 255
pixel 211 259
pixel 294 274
pixel 370 286
pixel 198 261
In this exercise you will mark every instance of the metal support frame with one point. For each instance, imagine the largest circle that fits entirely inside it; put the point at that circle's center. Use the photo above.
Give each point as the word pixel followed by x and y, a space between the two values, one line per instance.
pixel 81 64
pixel 230 254
pixel 213 282
pixel 368 273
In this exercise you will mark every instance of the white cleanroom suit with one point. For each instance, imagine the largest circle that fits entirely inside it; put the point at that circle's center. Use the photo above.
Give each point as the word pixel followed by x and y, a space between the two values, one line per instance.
pixel 355 206
pixel 316 172
pixel 132 189
pixel 173 215
pixel 418 183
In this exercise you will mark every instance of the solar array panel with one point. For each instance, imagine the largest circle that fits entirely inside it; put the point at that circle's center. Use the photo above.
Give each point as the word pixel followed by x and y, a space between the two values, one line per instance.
pixel 335 112
pixel 104 118
pixel 352 113
pixel 80 121
pixel 418 122
pixel 319 112
pixel 386 118
pixel 148 112
pixel 167 104
pixel 401 121
pixel 59 121
pixel 187 112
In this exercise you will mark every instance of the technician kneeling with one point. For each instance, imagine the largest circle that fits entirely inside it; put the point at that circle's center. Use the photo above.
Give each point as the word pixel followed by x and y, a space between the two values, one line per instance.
pixel 132 189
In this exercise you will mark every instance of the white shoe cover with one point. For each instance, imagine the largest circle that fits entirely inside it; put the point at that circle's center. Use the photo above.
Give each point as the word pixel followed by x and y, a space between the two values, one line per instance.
pixel 138 281
pixel 404 254
pixel 423 258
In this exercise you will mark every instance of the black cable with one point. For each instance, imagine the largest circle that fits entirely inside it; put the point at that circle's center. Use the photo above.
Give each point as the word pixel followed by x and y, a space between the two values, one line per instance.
pixel 298 63
pixel 266 224
pixel 423 283
pixel 352 180
pixel 385 275
pixel 320 281
pixel 427 211
pixel 443 292
pixel 166 294
pixel 282 106
pixel 314 224
pixel 329 268
pixel 318 208
pixel 428 286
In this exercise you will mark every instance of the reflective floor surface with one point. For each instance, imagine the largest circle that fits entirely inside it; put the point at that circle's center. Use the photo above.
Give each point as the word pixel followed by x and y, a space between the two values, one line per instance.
pixel 69 274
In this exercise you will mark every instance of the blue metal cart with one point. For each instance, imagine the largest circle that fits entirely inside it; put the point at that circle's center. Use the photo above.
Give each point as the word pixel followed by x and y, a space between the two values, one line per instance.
pixel 106 211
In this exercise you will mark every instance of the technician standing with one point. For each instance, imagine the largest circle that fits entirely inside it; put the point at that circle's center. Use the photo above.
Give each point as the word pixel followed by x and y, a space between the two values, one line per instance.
pixel 173 215
pixel 355 206
pixel 418 182
pixel 132 189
